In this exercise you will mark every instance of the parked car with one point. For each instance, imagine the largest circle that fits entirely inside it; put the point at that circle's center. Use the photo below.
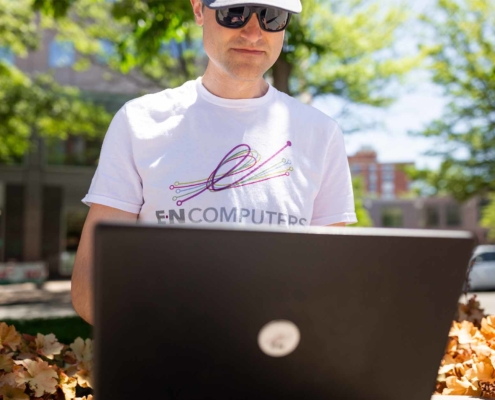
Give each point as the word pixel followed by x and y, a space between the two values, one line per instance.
pixel 482 264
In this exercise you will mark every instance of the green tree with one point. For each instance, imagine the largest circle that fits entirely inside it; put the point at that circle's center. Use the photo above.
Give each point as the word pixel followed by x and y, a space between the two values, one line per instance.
pixel 488 217
pixel 363 217
pixel 331 47
pixel 463 63
pixel 36 105
pixel 152 42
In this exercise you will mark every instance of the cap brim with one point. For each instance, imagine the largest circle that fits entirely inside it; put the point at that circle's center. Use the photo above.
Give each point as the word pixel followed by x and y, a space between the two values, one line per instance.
pixel 293 6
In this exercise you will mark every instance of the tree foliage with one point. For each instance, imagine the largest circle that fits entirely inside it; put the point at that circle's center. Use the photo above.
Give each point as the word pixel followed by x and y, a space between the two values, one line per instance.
pixel 363 217
pixel 36 104
pixel 488 217
pixel 344 49
pixel 463 64
pixel 40 106
pixel 152 42
pixel 331 47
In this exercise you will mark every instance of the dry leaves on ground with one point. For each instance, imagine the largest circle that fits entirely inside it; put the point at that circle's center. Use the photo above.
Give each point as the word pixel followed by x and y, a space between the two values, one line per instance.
pixel 39 367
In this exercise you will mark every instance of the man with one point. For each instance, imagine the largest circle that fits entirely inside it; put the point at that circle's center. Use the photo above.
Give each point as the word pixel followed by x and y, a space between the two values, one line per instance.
pixel 224 148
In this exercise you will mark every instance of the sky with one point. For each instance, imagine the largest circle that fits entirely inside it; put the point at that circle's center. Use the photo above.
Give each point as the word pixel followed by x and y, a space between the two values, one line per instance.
pixel 412 111
pixel 393 143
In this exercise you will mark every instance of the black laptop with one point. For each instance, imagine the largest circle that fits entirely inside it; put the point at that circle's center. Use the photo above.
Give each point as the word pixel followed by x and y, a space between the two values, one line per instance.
pixel 303 313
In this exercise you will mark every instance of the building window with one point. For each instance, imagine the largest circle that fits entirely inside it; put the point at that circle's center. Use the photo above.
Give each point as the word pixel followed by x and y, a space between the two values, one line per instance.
pixel 432 216
pixel 75 150
pixel 372 187
pixel 392 217
pixel 7 55
pixel 372 168
pixel 388 190
pixel 388 173
pixel 61 53
pixel 453 215
pixel 355 169
pixel 107 51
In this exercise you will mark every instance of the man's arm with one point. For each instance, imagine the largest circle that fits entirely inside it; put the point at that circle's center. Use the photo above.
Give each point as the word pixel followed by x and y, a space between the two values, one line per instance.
pixel 82 275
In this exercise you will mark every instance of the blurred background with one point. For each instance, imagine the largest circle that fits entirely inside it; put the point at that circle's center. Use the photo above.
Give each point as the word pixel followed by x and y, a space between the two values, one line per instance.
pixel 412 86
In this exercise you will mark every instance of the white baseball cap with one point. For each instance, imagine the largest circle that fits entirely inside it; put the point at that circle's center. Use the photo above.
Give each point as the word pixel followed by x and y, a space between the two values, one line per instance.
pixel 293 6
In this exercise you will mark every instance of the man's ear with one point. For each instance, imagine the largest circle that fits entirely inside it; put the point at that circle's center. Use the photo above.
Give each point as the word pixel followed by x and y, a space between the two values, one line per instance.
pixel 198 8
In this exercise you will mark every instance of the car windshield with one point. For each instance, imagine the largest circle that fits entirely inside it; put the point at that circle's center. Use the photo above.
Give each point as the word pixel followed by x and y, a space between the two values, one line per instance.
pixel 490 256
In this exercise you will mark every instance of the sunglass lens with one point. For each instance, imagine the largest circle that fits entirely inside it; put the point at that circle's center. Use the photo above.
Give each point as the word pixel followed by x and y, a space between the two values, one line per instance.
pixel 274 19
pixel 233 17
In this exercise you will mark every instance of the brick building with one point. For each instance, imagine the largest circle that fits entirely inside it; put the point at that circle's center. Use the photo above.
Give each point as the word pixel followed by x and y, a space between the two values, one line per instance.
pixel 391 204
pixel 429 213
pixel 381 180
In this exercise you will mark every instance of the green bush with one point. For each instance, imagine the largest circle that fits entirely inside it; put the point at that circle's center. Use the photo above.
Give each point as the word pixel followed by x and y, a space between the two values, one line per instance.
pixel 65 329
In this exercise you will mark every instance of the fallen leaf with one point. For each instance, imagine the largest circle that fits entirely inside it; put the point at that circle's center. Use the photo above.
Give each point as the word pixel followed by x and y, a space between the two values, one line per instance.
pixel 68 386
pixel 6 362
pixel 487 389
pixel 84 378
pixel 459 387
pixel 466 332
pixel 48 345
pixel 83 350
pixel 488 327
pixel 39 375
pixel 9 336
pixel 447 365
pixel 8 380
pixel 482 371
pixel 70 358
pixel 11 393
pixel 28 338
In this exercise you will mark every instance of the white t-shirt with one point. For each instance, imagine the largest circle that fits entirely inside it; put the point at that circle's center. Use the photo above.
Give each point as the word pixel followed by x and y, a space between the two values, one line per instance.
pixel 184 155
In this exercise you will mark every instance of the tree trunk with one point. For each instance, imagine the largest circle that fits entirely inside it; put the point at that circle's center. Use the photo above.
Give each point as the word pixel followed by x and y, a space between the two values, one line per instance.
pixel 281 74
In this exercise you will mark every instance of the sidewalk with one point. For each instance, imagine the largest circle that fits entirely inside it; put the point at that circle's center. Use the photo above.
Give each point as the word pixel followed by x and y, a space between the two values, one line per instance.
pixel 25 301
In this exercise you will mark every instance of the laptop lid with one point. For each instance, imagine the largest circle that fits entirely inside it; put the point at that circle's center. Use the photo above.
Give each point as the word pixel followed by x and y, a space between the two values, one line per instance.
pixel 315 313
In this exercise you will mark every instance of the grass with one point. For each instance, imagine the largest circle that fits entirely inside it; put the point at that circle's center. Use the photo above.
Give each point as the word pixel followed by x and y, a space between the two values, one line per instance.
pixel 65 329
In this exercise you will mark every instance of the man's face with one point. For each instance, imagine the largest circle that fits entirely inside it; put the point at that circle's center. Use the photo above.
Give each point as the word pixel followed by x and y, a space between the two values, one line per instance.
pixel 220 44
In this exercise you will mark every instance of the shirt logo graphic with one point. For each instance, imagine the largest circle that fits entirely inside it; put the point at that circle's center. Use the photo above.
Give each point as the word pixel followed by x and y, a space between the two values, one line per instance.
pixel 246 164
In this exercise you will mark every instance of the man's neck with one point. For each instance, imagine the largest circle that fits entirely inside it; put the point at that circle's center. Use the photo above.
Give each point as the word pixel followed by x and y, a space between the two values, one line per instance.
pixel 223 85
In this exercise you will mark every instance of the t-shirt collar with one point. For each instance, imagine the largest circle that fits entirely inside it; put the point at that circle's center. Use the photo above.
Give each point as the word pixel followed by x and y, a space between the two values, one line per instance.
pixel 233 103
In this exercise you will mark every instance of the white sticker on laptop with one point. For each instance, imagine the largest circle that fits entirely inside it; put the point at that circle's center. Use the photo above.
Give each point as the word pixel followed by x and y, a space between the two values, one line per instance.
pixel 279 338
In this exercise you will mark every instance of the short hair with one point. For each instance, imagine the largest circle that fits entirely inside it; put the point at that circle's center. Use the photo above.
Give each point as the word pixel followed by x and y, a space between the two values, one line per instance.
pixel 202 6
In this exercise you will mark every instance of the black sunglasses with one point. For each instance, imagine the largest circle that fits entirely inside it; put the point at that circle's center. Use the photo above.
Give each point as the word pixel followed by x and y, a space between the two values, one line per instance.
pixel 271 19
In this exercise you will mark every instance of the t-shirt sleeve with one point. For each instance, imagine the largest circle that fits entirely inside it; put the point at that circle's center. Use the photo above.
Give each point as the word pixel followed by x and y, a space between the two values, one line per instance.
pixel 334 202
pixel 116 182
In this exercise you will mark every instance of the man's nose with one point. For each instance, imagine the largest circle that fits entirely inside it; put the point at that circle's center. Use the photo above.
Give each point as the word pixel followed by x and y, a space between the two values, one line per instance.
pixel 252 30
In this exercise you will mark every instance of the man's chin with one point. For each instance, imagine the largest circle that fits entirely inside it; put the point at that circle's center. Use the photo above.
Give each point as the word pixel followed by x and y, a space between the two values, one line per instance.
pixel 247 75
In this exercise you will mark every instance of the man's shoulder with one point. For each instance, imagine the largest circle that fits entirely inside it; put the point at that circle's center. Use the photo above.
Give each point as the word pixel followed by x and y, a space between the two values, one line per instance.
pixel 164 100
